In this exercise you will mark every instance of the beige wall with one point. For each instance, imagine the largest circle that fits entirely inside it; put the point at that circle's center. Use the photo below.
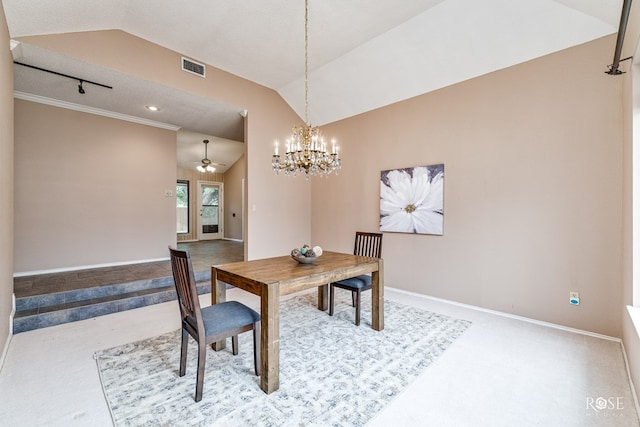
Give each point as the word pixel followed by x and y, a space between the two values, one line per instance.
pixel 533 177
pixel 6 185
pixel 90 190
pixel 193 176
pixel 233 214
pixel 278 207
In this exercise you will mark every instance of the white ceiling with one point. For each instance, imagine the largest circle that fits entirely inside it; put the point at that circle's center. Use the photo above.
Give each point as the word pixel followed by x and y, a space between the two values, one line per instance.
pixel 363 54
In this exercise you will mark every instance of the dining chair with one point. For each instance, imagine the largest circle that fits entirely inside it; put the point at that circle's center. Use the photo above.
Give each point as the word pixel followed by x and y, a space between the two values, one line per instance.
pixel 210 324
pixel 366 244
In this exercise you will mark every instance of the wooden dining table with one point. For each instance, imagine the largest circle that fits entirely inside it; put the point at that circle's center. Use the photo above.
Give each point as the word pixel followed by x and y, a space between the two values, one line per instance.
pixel 271 278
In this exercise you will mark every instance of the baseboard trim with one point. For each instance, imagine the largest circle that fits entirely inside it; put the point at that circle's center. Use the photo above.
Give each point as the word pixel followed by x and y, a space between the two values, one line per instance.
pixel 633 388
pixel 5 350
pixel 233 240
pixel 84 267
pixel 508 315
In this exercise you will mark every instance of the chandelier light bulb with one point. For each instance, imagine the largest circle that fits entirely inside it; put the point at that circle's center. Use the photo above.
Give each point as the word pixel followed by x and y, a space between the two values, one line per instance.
pixel 306 154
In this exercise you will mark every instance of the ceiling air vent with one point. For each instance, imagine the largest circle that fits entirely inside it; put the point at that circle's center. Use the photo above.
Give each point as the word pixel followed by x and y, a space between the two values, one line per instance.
pixel 193 67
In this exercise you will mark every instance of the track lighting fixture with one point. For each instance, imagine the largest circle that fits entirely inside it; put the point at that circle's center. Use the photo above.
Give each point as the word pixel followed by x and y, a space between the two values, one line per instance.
pixel 622 29
pixel 81 81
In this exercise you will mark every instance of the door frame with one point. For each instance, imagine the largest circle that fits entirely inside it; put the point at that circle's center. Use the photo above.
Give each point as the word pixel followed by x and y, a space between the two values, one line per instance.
pixel 220 234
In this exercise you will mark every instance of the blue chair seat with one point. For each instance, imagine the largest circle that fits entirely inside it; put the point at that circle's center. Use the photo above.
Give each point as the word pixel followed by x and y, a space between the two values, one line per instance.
pixel 358 282
pixel 225 316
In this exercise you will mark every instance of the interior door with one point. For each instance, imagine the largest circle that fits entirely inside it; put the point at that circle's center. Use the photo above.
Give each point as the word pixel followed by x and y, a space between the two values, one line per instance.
pixel 210 203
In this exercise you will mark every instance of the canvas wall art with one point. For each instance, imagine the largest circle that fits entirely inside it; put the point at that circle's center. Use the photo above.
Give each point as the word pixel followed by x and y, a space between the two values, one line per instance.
pixel 412 200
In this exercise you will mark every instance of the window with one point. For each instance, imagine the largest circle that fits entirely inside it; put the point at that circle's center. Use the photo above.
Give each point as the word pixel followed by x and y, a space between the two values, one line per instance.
pixel 182 206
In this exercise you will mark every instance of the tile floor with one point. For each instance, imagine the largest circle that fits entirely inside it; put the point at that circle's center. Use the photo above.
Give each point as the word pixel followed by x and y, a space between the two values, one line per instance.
pixel 203 255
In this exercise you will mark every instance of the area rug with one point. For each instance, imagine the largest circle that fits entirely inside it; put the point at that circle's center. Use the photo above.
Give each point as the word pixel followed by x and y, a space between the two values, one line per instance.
pixel 332 373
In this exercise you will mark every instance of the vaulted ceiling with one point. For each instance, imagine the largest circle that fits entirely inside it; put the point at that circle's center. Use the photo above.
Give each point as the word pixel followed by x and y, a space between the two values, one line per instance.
pixel 363 54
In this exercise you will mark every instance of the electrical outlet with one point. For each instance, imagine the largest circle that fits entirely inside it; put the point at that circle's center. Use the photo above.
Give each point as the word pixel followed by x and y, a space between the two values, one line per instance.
pixel 574 298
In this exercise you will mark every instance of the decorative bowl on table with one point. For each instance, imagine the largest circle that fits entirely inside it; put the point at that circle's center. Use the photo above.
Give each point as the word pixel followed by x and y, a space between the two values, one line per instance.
pixel 304 259
pixel 306 254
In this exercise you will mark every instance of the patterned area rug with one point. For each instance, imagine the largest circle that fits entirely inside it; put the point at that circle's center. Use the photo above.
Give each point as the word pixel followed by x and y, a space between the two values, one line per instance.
pixel 331 371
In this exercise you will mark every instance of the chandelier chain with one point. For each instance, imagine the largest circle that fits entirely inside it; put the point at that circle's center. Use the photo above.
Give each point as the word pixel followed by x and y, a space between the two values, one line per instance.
pixel 306 62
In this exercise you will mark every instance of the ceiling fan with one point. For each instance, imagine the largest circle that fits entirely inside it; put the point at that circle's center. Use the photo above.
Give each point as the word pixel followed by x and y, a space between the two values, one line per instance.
pixel 207 165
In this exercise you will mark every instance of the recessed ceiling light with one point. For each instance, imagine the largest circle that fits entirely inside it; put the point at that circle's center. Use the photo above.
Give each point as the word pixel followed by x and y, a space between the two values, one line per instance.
pixel 152 108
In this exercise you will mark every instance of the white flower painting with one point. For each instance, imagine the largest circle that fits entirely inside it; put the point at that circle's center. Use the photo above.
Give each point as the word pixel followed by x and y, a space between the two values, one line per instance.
pixel 412 200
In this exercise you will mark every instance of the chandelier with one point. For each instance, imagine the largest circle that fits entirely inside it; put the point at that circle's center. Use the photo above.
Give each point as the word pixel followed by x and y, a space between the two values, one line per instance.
pixel 306 150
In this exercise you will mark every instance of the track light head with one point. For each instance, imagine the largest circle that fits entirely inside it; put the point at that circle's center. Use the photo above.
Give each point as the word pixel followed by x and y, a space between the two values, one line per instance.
pixel 614 71
pixel 80 88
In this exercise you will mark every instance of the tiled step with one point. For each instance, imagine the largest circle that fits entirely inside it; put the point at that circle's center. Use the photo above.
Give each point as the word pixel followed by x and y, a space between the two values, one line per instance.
pixel 41 311
pixel 83 294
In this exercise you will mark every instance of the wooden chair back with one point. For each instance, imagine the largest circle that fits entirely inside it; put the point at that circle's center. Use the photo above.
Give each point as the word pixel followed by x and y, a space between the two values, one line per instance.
pixel 368 244
pixel 185 286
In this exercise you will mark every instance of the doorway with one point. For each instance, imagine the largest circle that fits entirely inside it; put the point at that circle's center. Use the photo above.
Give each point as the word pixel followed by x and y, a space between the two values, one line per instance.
pixel 211 210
